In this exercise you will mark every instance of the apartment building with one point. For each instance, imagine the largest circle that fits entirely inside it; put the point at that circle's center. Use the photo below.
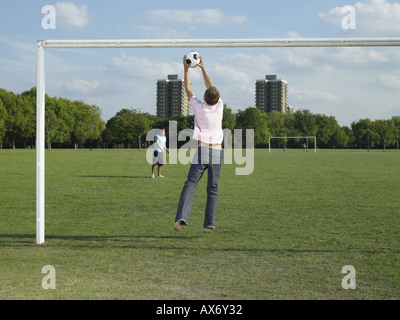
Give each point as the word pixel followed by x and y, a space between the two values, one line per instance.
pixel 171 97
pixel 271 94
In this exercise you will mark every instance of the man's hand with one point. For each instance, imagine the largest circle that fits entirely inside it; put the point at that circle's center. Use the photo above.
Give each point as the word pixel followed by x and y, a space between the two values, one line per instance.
pixel 201 63
pixel 207 79
pixel 186 66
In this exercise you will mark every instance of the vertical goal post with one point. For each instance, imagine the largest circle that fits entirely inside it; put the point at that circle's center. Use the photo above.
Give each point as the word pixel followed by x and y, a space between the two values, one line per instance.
pixel 156 43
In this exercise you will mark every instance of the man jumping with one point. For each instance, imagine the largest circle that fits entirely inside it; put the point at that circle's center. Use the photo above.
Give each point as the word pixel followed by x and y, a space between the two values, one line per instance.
pixel 208 131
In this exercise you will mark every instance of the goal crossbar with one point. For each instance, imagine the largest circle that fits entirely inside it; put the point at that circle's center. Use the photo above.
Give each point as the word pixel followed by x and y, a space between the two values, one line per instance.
pixel 222 43
pixel 156 43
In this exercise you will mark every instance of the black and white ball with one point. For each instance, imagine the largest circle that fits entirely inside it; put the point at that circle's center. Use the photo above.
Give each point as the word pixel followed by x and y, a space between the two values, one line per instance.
pixel 193 58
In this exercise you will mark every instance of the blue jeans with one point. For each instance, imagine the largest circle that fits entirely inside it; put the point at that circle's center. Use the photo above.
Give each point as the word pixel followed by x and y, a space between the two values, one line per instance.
pixel 205 158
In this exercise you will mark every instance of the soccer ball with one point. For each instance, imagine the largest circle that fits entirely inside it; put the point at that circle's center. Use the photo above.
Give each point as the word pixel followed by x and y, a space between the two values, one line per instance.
pixel 193 58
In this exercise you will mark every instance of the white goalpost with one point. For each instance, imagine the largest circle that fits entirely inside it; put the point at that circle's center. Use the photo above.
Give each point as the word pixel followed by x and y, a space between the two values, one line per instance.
pixel 305 137
pixel 164 43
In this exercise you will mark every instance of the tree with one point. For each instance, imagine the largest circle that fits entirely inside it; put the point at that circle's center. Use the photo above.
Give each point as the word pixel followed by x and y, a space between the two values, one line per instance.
pixel 52 122
pixel 362 129
pixel 276 123
pixel 305 122
pixel 349 136
pixel 3 117
pixel 112 126
pixel 106 136
pixel 66 121
pixel 20 122
pixel 141 125
pixel 387 131
pixel 397 125
pixel 129 125
pixel 252 118
pixel 88 123
pixel 96 123
pixel 329 133
pixel 29 103
pixel 326 127
pixel 65 112
pixel 228 119
pixel 290 129
pixel 340 137
pixel 183 122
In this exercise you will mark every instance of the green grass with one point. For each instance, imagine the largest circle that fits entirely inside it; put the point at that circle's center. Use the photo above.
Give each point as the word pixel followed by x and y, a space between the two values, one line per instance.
pixel 284 232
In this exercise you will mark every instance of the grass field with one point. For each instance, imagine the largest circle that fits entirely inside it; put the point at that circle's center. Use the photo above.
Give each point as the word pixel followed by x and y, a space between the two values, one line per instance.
pixel 284 232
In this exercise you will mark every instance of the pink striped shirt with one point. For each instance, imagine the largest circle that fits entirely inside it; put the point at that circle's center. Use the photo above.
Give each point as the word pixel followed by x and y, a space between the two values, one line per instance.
pixel 207 121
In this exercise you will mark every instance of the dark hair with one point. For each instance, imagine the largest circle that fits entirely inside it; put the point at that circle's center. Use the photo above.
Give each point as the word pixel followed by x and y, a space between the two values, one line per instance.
pixel 211 96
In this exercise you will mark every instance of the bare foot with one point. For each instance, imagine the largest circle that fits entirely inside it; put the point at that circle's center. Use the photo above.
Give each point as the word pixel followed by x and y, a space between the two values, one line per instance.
pixel 177 226
pixel 207 230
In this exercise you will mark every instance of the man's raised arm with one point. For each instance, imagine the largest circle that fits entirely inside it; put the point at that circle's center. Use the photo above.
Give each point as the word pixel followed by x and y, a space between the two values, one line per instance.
pixel 188 88
pixel 207 79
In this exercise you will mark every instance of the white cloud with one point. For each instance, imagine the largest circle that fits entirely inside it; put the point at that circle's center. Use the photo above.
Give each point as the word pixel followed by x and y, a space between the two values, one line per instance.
pixel 389 81
pixel 142 68
pixel 211 17
pixel 354 55
pixel 309 95
pixel 23 51
pixel 334 16
pixel 238 19
pixel 67 14
pixel 72 87
pixel 169 24
pixel 329 59
pixel 373 17
pixel 82 85
pixel 232 74
pixel 293 58
pixel 158 32
pixel 293 35
pixel 250 62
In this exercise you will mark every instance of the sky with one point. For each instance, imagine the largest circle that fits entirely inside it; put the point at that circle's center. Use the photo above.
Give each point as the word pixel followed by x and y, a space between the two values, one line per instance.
pixel 347 83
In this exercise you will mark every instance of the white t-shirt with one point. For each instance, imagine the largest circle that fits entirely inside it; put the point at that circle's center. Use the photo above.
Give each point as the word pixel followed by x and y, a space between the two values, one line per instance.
pixel 162 140
pixel 207 121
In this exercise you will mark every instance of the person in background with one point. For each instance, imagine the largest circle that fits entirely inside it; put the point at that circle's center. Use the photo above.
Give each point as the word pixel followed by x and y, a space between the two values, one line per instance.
pixel 158 156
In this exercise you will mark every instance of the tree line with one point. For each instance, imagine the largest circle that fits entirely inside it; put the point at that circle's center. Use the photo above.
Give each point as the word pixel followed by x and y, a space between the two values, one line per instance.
pixel 67 123
pixel 75 124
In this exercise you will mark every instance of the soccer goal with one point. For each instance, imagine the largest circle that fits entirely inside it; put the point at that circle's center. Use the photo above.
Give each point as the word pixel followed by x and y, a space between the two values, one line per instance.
pixel 305 144
pixel 154 43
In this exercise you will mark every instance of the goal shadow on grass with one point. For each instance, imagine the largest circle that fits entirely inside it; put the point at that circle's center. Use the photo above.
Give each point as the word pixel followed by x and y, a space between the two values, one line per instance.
pixel 153 242
pixel 7 240
pixel 113 177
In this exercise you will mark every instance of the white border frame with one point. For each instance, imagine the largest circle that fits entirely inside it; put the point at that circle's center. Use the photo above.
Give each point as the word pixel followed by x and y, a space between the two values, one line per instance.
pixel 153 43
